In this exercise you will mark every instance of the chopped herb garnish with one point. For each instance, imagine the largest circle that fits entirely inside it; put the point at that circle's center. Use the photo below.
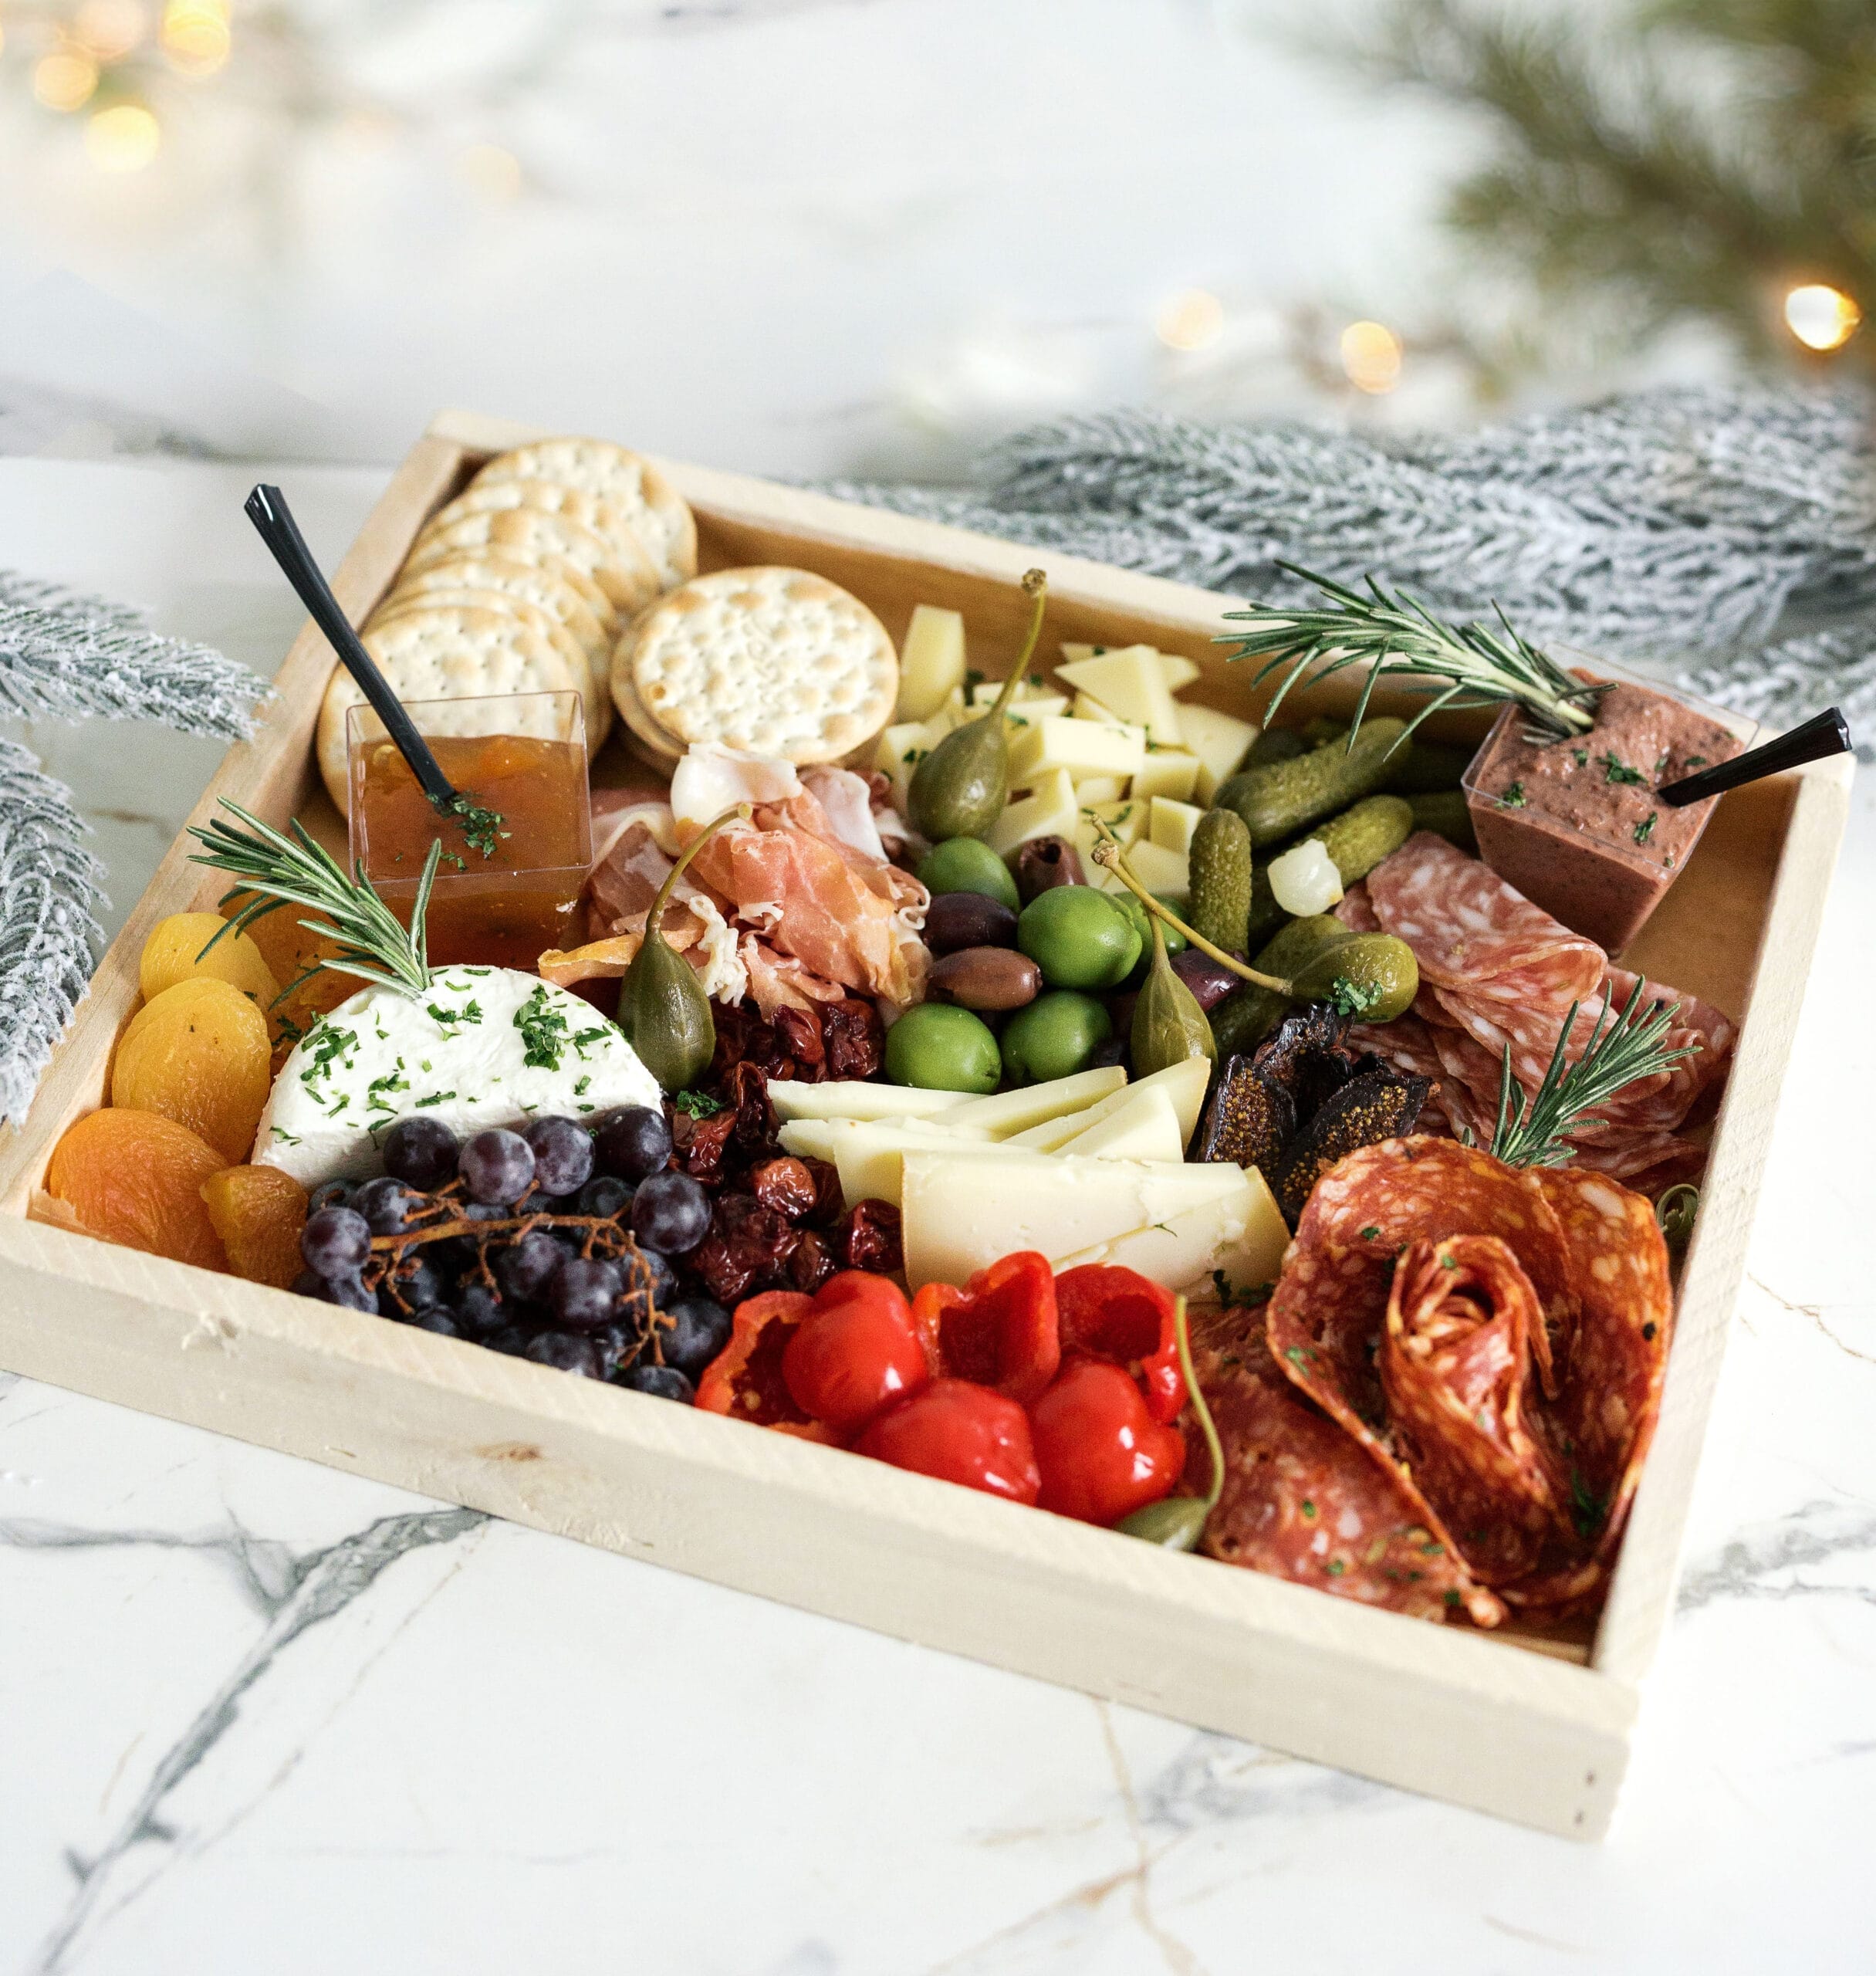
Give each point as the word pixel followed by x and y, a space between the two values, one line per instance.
pixel 1309 1508
pixel 1585 1506
pixel 469 1012
pixel 1645 829
pixel 481 828
pixel 1336 1568
pixel 377 1098
pixel 580 1089
pixel 435 1098
pixel 1449 1262
pixel 293 1139
pixel 972 680
pixel 543 1031
pixel 697 1105
pixel 581 1038
pixel 1580 756
pixel 1696 761
pixel 1369 1234
pixel 1513 797
pixel 327 1045
pixel 1356 998
pixel 1661 761
pixel 1617 771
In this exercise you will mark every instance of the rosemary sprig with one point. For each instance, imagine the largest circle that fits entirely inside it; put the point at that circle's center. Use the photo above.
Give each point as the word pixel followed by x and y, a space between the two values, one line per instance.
pixel 374 943
pixel 1621 1049
pixel 1399 639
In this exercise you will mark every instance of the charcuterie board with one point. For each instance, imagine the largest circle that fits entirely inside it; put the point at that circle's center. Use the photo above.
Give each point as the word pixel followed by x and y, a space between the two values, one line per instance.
pixel 1530 1720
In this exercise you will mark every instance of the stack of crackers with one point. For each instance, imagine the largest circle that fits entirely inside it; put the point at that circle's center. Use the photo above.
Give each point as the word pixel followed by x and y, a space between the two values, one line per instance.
pixel 572 564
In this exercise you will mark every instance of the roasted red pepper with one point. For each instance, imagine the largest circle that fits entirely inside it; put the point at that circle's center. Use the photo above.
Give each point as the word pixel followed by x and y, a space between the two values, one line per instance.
pixel 745 1380
pixel 1101 1454
pixel 856 1351
pixel 959 1433
pixel 1000 1330
pixel 1118 1315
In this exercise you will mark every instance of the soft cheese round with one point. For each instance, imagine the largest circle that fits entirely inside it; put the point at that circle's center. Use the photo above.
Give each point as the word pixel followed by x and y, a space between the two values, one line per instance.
pixel 461 1052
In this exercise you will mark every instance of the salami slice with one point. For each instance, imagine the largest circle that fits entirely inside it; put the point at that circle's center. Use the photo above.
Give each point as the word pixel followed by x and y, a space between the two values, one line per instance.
pixel 1454 1365
pixel 1302 1502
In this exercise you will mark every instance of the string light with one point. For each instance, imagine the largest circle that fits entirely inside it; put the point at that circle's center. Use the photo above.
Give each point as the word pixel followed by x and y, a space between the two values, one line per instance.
pixel 122 138
pixel 1192 319
pixel 110 29
pixel 1821 317
pixel 1371 357
pixel 64 80
pixel 196 36
pixel 490 171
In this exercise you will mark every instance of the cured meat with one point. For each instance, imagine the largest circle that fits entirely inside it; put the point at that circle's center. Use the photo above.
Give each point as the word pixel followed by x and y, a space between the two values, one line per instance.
pixel 1455 1364
pixel 1302 1502
pixel 1492 1341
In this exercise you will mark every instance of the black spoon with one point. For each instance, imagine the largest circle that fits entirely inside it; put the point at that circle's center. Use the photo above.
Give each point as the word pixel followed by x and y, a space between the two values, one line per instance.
pixel 273 521
pixel 1824 734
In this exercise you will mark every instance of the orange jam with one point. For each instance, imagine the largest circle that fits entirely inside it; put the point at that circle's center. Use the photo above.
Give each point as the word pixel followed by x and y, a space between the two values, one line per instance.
pixel 501 909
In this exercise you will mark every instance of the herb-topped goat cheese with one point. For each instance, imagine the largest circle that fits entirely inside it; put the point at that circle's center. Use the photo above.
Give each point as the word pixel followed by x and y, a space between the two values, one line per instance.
pixel 482 1046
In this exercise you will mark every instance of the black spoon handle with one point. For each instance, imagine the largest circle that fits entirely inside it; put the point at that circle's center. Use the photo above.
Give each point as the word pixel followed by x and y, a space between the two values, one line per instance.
pixel 273 520
pixel 1823 734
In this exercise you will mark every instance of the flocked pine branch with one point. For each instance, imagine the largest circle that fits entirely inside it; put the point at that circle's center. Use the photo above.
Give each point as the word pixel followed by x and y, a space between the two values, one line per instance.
pixel 50 889
pixel 68 657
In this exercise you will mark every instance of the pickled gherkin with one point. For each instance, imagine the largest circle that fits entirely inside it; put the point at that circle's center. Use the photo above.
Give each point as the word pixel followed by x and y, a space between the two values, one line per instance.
pixel 1282 799
pixel 1250 1012
pixel 1357 840
pixel 1320 730
pixel 1274 744
pixel 1444 812
pixel 1220 864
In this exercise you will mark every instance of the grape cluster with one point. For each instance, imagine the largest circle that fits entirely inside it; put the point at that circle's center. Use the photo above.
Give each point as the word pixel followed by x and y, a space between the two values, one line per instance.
pixel 557 1244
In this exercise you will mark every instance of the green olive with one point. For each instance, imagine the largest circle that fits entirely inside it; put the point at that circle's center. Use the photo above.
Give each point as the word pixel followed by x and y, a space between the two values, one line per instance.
pixel 1079 938
pixel 1053 1037
pixel 1373 977
pixel 937 1046
pixel 968 865
pixel 1176 941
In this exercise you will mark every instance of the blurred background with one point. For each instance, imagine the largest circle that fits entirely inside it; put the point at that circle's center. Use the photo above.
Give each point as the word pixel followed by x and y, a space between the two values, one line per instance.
pixel 817 237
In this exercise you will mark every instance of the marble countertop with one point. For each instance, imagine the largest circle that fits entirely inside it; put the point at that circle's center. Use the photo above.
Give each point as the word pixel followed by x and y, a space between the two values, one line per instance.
pixel 261 1716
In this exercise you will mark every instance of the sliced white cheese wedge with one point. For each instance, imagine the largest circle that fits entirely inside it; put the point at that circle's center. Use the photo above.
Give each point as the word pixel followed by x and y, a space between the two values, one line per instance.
pixel 486 1046
pixel 1238 1236
pixel 1129 681
pixel 1145 1127
pixel 1185 1083
pixel 1219 740
pixel 848 1097
pixel 1011 1111
pixel 962 1211
pixel 870 1157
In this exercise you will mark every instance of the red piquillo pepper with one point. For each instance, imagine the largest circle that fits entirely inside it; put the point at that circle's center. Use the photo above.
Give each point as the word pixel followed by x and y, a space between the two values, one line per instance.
pixel 1001 1330
pixel 1116 1314
pixel 745 1380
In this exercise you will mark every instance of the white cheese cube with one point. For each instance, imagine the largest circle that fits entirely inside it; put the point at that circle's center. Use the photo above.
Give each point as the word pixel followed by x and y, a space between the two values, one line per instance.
pixel 1030 691
pixel 1170 824
pixel 1168 772
pixel 1220 741
pixel 1130 681
pixel 849 1097
pixel 1179 672
pixel 1088 708
pixel 1082 747
pixel 930 661
pixel 1162 871
pixel 1007 1112
pixel 1239 1235
pixel 1144 1127
pixel 1049 810
pixel 1098 789
pixel 460 1052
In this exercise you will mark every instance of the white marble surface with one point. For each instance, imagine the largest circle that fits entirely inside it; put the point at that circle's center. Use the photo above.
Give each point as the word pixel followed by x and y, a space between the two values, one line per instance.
pixel 258 1717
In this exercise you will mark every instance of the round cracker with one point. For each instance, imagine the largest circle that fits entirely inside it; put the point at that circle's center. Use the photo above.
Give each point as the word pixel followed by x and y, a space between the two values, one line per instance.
pixel 598 702
pixel 509 531
pixel 631 564
pixel 625 481
pixel 648 740
pixel 548 590
pixel 456 654
pixel 778 662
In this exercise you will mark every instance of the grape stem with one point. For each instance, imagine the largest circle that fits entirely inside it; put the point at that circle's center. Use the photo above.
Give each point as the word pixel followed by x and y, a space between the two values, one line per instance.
pixel 1108 853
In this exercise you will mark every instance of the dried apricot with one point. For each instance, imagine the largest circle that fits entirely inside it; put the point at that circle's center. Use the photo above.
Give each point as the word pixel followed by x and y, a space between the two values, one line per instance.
pixel 173 952
pixel 197 1054
pixel 289 950
pixel 257 1212
pixel 134 1178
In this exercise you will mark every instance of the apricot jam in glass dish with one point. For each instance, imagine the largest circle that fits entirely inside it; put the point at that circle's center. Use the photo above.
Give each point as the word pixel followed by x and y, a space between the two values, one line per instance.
pixel 514 864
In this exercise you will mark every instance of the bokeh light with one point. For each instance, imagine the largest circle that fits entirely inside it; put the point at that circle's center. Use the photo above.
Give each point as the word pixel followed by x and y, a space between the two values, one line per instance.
pixel 110 29
pixel 490 171
pixel 122 138
pixel 1821 317
pixel 1371 357
pixel 196 36
pixel 1192 319
pixel 65 79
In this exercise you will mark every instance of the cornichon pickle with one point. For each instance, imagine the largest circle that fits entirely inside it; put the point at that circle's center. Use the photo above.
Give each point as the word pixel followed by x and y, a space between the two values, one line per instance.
pixel 1319 731
pixel 1444 811
pixel 1220 864
pixel 1250 1012
pixel 1372 977
pixel 1274 744
pixel 1282 798
pixel 1364 833
pixel 1426 766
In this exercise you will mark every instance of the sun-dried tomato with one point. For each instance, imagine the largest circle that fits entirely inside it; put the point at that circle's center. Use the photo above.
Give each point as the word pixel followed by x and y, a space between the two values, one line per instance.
pixel 702 1144
pixel 746 1250
pixel 856 1038
pixel 829 1201
pixel 744 1379
pixel 784 1185
pixel 1000 1330
pixel 742 1036
pixel 867 1237
pixel 745 1090
pixel 800 1033
pixel 1116 1314
pixel 811 1262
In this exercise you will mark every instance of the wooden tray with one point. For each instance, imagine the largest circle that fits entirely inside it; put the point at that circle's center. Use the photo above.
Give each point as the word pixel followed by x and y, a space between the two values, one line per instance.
pixel 1534 1728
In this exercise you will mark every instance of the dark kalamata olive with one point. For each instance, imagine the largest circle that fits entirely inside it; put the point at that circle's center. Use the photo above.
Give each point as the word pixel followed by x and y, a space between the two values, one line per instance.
pixel 1110 1053
pixel 955 920
pixel 988 978
pixel 1208 980
pixel 1046 862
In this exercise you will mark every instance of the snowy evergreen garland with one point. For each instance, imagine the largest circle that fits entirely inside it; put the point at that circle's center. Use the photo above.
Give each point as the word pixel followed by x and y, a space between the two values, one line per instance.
pixel 1728 538
pixel 65 657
